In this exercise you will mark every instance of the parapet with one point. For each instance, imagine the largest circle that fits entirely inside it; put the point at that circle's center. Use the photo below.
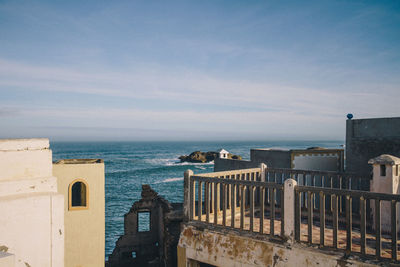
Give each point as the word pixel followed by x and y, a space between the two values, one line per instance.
pixel 79 161
pixel 25 159
pixel 24 144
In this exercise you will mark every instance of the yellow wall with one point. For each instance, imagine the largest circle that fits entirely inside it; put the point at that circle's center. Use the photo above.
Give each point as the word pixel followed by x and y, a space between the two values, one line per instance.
pixel 84 228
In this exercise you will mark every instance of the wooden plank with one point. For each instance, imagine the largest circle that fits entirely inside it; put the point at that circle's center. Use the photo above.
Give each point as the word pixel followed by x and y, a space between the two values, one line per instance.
pixel 216 203
pixel 192 203
pixel 242 196
pixel 378 243
pixel 297 215
pixel 309 216
pixel 335 221
pixel 272 211
pixel 363 224
pixel 322 219
pixel 262 206
pixel 199 200
pixel 282 213
pixel 233 205
pixel 348 224
pixel 224 195
pixel 251 208
pixel 207 201
pixel 394 230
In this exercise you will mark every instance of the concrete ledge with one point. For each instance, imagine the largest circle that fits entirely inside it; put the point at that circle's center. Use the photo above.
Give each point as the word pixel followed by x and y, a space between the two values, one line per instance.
pixel 35 185
pixel 24 144
pixel 228 249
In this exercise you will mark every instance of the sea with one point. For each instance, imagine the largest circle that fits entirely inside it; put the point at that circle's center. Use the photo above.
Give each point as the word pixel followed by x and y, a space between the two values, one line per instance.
pixel 128 165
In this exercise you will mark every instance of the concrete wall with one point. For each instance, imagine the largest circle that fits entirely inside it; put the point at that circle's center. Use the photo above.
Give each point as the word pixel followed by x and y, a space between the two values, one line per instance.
pixel 32 218
pixel 230 249
pixel 272 157
pixel 232 164
pixel 305 159
pixel 318 160
pixel 84 228
pixel 369 138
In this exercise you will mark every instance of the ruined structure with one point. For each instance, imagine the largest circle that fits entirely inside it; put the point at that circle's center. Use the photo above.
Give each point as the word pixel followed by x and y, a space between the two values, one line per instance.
pixel 151 233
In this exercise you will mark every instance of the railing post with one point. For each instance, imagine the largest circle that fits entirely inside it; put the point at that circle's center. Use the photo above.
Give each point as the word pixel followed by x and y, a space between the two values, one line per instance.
pixel 263 168
pixel 187 195
pixel 288 215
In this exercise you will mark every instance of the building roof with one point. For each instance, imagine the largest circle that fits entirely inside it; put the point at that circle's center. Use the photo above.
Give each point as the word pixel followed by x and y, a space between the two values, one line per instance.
pixel 223 151
pixel 79 161
pixel 385 159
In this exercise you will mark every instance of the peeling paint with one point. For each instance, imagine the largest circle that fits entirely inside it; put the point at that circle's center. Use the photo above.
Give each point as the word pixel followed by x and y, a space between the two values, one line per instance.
pixel 230 248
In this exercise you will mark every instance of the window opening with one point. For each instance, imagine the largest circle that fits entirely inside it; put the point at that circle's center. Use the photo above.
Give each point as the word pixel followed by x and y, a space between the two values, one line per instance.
pixel 383 170
pixel 143 221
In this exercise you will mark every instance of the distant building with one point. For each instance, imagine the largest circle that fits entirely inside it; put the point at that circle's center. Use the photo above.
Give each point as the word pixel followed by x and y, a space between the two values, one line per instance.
pixel 369 138
pixel 314 158
pixel 223 154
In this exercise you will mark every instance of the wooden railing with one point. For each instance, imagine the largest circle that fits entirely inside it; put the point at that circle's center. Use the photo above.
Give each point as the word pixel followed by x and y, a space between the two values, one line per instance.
pixel 249 200
pixel 344 233
pixel 236 199
pixel 328 179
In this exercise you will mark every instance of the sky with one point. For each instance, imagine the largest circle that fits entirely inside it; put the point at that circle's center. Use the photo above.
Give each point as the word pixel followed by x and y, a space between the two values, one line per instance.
pixel 196 70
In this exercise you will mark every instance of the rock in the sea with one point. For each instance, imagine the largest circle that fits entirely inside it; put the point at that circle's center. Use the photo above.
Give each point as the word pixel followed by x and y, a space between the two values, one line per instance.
pixel 204 157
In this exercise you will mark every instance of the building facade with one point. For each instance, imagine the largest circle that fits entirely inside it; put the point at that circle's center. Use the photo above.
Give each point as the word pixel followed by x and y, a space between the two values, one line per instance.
pixel 81 182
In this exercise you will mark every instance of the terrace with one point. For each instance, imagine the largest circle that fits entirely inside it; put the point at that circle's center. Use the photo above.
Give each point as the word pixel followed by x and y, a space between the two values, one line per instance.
pixel 328 211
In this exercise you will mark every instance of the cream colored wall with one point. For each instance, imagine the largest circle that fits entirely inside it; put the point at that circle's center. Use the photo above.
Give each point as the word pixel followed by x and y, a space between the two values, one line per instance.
pixel 388 184
pixel 31 210
pixel 84 229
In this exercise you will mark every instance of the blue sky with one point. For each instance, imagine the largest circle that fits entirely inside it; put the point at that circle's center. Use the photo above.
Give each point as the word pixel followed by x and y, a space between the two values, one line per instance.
pixel 196 70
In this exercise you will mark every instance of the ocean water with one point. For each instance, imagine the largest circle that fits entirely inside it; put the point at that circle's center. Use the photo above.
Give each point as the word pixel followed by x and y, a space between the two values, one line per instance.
pixel 128 165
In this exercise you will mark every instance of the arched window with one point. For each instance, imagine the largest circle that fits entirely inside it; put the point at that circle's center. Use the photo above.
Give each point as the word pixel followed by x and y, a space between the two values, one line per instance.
pixel 78 195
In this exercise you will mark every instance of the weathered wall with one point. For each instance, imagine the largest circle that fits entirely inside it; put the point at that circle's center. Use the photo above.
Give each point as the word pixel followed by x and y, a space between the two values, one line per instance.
pixel 369 138
pixel 227 249
pixel 31 210
pixel 306 159
pixel 272 157
pixel 85 228
pixel 232 164
pixel 318 160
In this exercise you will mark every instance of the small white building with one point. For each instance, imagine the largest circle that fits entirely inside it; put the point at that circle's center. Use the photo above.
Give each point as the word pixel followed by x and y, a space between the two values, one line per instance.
pixel 223 154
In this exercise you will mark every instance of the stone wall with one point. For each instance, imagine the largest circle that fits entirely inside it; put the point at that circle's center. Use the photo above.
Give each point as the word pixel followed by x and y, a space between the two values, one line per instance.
pixel 369 138
pixel 152 245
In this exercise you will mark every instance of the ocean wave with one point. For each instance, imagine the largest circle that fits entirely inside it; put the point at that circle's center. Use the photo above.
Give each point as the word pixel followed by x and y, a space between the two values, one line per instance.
pixel 169 180
pixel 189 163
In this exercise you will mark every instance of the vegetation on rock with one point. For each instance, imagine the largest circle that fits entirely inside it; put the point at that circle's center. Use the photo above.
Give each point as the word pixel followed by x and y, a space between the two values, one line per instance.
pixel 204 157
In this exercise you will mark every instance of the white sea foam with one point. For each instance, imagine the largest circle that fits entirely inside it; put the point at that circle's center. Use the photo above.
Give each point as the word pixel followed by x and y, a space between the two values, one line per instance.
pixel 172 180
pixel 188 163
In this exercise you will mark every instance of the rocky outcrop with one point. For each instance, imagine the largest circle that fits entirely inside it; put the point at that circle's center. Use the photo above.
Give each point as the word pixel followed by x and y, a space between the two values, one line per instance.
pixel 204 157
